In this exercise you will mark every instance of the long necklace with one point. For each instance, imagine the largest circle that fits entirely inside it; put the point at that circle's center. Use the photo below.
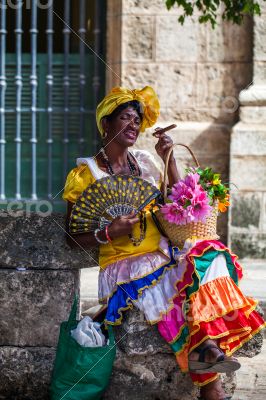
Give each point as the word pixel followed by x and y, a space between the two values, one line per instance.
pixel 143 228
pixel 131 165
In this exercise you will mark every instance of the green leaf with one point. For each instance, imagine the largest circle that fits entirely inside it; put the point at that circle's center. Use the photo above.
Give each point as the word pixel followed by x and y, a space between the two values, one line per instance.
pixel 181 19
pixel 170 3
pixel 234 10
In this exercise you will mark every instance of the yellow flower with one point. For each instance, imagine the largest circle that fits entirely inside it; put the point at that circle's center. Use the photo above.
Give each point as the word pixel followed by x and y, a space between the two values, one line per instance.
pixel 216 179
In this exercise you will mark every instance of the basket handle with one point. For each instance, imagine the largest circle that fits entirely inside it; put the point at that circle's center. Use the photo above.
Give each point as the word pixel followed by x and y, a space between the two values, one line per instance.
pixel 165 178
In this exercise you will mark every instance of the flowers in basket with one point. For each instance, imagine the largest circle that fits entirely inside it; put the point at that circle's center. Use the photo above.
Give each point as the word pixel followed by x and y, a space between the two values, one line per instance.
pixel 193 198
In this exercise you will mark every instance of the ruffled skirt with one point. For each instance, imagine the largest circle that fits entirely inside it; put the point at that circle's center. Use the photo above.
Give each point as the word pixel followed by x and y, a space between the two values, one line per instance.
pixel 191 294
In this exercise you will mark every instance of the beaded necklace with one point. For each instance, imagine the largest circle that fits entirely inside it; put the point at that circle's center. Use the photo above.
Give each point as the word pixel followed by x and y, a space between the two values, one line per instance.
pixel 131 165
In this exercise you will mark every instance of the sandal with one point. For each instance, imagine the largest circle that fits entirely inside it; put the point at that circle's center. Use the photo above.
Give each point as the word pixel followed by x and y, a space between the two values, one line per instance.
pixel 222 363
pixel 225 398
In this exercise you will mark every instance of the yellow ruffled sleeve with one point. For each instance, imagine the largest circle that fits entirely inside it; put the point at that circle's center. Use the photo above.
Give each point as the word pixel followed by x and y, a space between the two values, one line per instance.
pixel 77 181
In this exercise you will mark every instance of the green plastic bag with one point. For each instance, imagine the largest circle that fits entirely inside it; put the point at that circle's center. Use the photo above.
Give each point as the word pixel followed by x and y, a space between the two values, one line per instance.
pixel 80 373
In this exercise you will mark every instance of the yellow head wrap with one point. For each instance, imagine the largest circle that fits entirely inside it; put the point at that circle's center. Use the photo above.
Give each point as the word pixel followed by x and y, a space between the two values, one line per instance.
pixel 119 95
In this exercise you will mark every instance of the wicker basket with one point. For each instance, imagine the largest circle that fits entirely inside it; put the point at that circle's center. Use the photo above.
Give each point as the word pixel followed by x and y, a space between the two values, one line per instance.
pixel 178 234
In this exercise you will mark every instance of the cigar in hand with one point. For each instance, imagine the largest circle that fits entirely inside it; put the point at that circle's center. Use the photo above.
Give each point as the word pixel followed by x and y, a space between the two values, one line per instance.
pixel 167 128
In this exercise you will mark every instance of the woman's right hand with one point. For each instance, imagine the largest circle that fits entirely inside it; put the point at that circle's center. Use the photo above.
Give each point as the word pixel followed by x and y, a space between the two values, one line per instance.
pixel 123 225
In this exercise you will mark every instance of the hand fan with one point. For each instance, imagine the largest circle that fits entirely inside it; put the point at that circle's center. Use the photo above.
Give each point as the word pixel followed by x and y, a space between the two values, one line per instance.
pixel 108 198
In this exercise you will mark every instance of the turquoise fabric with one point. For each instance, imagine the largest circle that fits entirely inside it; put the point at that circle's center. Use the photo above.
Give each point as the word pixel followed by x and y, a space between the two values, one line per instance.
pixel 203 262
pixel 181 341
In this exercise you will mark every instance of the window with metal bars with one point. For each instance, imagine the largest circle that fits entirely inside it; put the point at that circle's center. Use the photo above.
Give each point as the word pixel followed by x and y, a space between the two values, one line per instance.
pixel 50 84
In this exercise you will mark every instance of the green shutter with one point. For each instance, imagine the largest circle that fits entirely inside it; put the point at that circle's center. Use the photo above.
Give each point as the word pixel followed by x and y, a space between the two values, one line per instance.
pixel 58 122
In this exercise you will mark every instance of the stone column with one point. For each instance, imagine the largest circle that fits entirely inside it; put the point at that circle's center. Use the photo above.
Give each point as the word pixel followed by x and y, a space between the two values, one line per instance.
pixel 247 229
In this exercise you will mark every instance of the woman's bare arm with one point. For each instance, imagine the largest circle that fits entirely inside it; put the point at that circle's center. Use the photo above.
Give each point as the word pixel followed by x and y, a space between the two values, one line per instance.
pixel 172 172
pixel 162 148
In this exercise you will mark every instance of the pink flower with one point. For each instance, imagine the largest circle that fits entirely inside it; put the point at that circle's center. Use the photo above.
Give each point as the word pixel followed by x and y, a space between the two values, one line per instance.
pixel 173 212
pixel 181 192
pixel 201 206
pixel 190 202
pixel 192 180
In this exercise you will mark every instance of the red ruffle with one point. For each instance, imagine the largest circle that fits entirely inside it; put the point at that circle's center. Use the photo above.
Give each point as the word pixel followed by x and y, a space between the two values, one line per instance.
pixel 230 331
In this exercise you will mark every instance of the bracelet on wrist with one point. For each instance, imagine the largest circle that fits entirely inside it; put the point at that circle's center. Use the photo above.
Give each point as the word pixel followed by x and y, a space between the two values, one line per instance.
pixel 107 234
pixel 98 239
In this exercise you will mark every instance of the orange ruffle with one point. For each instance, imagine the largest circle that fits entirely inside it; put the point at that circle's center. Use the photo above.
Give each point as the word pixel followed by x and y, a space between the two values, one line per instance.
pixel 215 299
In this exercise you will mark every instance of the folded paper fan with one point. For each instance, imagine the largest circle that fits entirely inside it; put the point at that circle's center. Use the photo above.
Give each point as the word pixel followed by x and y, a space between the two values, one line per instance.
pixel 108 198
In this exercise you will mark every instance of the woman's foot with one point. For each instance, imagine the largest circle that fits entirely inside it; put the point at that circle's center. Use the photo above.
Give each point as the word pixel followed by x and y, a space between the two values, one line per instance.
pixel 213 391
pixel 211 354
pixel 208 357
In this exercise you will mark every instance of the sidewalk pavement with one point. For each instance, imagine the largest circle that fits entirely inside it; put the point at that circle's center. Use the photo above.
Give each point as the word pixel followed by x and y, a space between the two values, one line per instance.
pixel 89 287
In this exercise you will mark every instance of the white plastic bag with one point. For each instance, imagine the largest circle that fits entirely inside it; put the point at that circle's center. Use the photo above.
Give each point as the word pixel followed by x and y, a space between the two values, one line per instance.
pixel 88 333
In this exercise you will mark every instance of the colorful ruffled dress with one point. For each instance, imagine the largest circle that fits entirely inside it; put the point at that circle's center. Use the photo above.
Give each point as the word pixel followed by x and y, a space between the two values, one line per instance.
pixel 192 294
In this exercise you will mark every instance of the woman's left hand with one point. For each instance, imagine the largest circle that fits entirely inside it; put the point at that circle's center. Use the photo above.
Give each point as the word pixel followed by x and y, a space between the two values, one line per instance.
pixel 163 145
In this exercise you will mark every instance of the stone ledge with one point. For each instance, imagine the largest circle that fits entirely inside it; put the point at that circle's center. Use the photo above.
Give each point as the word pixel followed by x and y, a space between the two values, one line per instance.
pixel 26 372
pixel 145 367
pixel 41 243
pixel 33 304
pixel 147 378
pixel 252 348
pixel 255 95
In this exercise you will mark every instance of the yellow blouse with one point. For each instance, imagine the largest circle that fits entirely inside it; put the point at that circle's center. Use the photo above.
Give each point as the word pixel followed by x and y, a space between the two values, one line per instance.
pixel 77 181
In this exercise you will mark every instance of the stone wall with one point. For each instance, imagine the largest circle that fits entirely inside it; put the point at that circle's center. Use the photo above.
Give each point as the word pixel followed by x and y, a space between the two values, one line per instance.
pixel 39 275
pixel 197 72
pixel 248 158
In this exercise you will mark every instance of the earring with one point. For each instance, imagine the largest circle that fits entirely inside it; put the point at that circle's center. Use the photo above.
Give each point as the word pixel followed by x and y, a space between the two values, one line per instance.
pixel 104 135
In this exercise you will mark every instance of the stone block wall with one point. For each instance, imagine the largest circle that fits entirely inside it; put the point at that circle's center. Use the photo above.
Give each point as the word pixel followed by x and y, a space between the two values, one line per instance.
pixel 39 276
pixel 193 68
pixel 247 229
pixel 197 72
